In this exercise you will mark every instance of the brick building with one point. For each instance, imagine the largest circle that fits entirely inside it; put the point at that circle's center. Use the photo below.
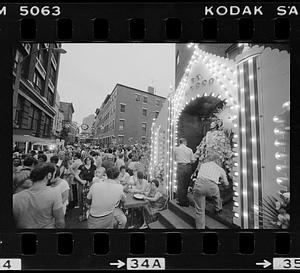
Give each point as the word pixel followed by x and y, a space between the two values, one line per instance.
pixel 126 116
pixel 67 110
pixel 59 117
pixel 35 90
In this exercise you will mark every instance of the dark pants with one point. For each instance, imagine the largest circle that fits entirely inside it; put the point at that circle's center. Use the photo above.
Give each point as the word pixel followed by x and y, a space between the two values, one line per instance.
pixel 183 180
pixel 74 202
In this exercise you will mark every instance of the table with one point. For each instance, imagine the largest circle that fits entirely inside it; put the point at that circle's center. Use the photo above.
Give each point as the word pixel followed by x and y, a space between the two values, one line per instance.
pixel 131 202
pixel 134 205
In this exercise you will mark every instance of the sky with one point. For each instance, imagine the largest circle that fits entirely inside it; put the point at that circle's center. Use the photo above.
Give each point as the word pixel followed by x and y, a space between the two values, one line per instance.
pixel 88 72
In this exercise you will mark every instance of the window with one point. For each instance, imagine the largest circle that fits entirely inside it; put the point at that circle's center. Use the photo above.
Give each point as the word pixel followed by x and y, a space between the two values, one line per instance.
pixel 157 102
pixel 144 112
pixel 42 55
pixel 47 126
pixel 137 97
pixel 121 139
pixel 50 97
pixel 144 127
pixel 38 82
pixel 145 99
pixel 122 108
pixel 52 74
pixel 156 114
pixel 36 119
pixel 19 111
pixel 121 125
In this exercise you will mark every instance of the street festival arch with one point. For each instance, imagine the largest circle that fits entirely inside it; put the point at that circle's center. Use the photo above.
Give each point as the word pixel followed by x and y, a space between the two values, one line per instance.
pixel 246 95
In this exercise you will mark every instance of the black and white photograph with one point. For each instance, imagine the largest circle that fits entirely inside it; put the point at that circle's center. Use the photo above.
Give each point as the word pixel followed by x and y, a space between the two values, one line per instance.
pixel 151 136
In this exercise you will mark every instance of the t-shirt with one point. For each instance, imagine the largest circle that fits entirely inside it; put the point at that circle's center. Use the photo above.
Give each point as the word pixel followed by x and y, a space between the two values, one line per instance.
pixel 87 173
pixel 33 208
pixel 105 196
pixel 63 186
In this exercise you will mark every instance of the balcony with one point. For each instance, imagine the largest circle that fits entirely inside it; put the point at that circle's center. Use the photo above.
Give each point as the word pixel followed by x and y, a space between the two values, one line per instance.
pixel 51 85
pixel 40 68
pixel 53 61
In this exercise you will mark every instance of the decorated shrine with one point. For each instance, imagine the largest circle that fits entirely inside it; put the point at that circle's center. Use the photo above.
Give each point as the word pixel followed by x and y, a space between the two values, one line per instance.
pixel 231 107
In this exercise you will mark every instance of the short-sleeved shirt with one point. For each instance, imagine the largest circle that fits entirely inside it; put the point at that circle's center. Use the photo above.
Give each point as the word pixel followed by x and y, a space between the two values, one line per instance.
pixel 33 208
pixel 183 154
pixel 87 174
pixel 212 171
pixel 104 195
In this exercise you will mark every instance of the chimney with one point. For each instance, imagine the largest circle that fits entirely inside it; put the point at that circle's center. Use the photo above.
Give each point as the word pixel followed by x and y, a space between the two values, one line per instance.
pixel 151 89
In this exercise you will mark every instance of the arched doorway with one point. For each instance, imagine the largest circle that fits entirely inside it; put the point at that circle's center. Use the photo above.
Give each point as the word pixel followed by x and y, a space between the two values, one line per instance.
pixel 194 122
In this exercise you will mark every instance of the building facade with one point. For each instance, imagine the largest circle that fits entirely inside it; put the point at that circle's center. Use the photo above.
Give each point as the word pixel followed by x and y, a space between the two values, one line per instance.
pixel 126 116
pixel 71 127
pixel 35 72
pixel 59 117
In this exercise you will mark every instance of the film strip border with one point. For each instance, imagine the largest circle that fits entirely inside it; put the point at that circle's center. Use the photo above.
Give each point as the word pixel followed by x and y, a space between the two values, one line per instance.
pixel 92 250
pixel 99 29
pixel 155 22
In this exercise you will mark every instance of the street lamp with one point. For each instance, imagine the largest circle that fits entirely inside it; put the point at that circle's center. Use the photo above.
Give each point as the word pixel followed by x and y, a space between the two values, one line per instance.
pixel 18 73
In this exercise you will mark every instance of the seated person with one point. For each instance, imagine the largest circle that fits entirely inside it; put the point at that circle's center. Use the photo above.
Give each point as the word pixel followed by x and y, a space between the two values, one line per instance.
pixel 124 176
pixel 100 175
pixel 103 198
pixel 157 202
pixel 141 185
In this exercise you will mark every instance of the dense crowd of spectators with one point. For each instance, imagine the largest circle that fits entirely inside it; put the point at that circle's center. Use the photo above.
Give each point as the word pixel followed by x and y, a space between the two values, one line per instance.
pixel 49 184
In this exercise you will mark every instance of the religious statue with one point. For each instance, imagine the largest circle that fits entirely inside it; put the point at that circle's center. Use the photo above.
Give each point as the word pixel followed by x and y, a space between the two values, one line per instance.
pixel 215 143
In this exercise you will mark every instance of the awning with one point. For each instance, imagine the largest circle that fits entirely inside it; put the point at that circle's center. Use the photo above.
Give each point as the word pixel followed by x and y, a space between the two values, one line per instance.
pixel 28 138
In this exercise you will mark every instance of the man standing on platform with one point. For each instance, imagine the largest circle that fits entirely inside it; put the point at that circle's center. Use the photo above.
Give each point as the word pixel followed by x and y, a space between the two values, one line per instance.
pixel 184 157
pixel 210 175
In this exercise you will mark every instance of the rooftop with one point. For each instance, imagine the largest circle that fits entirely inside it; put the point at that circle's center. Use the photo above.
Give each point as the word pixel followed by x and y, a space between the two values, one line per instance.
pixel 135 89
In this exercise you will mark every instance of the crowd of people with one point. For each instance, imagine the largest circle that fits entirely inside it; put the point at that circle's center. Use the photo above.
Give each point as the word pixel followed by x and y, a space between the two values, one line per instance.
pixel 48 185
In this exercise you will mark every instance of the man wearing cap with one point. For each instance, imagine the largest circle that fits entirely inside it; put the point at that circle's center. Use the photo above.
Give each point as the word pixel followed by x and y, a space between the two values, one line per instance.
pixel 184 157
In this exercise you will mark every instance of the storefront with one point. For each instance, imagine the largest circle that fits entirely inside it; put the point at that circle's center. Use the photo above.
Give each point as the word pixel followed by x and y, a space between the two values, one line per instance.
pixel 244 97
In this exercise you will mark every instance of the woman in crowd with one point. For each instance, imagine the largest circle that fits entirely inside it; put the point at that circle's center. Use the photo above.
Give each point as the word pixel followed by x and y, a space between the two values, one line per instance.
pixel 124 176
pixel 103 198
pixel 85 177
pixel 141 185
pixel 156 202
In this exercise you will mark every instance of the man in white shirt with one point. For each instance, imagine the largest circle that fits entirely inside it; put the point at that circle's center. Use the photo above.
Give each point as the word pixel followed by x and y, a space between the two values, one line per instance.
pixel 208 179
pixel 103 198
pixel 184 157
